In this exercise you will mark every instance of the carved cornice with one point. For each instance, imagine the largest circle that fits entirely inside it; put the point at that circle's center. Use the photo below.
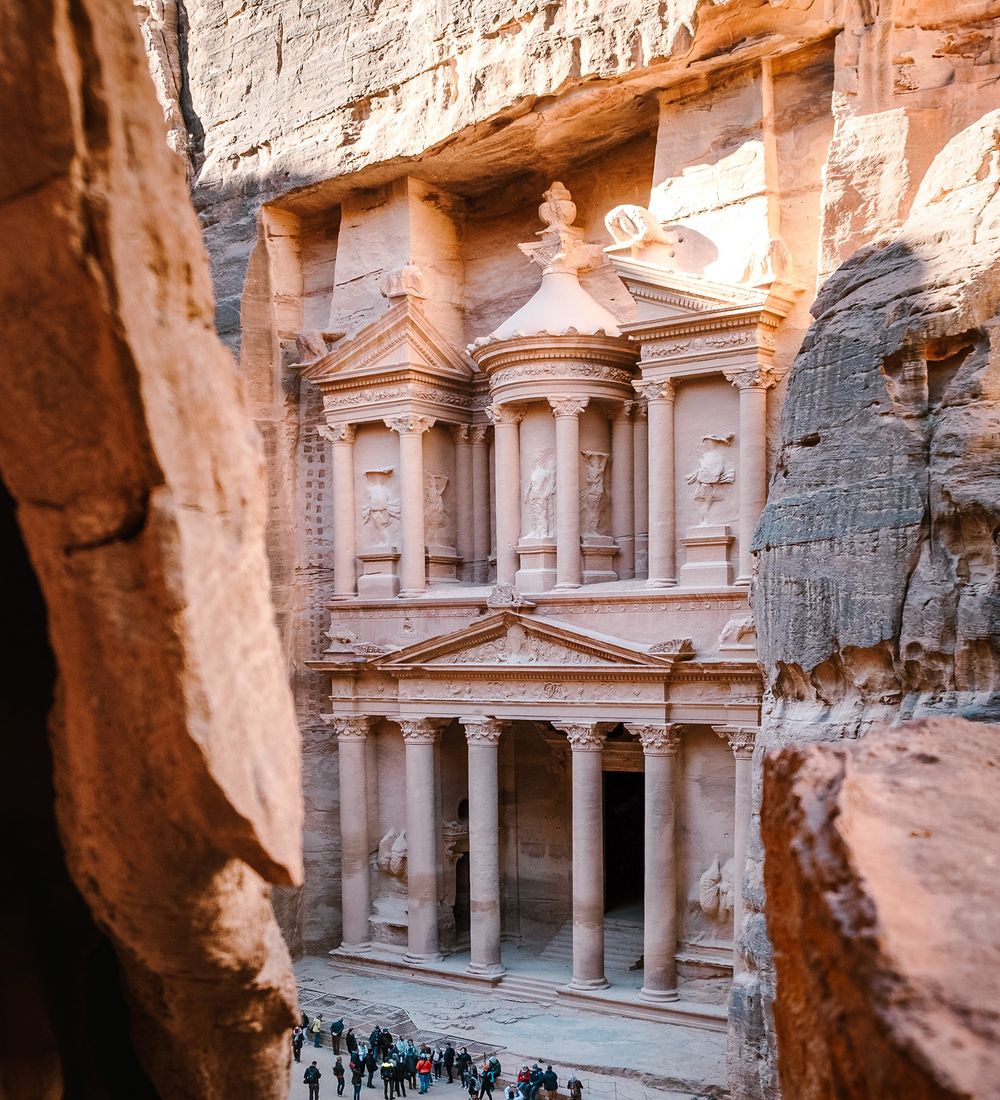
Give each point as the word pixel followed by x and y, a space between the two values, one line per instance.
pixel 397 385
pixel 409 423
pixel 741 739
pixel 661 389
pixel 568 406
pixel 584 736
pixel 480 730
pixel 337 433
pixel 657 739
pixel 350 727
pixel 418 731
pixel 542 354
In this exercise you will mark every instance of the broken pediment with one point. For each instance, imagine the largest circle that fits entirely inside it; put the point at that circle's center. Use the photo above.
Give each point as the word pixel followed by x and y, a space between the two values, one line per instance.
pixel 511 639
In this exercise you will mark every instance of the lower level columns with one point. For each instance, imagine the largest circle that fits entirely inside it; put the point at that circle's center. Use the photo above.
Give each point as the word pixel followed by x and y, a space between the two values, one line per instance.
pixel 587 743
pixel 420 736
pixel 741 740
pixel 659 746
pixel 352 735
pixel 483 736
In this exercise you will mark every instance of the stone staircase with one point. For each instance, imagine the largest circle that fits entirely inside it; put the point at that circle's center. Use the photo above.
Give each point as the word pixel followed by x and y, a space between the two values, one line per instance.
pixel 622 945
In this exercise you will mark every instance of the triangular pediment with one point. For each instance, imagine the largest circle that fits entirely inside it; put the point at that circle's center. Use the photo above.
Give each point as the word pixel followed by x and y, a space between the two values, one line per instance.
pixel 509 639
pixel 403 338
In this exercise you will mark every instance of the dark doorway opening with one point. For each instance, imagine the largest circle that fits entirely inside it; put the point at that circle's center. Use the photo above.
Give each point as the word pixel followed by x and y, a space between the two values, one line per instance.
pixel 623 840
pixel 463 897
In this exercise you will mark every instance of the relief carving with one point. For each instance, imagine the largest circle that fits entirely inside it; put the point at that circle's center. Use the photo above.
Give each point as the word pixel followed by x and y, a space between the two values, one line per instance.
pixel 711 474
pixel 592 495
pixel 435 513
pixel 381 510
pixel 634 225
pixel 392 854
pixel 539 497
pixel 715 890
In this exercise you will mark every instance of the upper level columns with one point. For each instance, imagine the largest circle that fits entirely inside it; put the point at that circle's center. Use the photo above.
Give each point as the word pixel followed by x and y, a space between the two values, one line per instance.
pixel 567 413
pixel 352 734
pixel 622 499
pixel 662 510
pixel 464 501
pixel 341 438
pixel 640 471
pixel 483 736
pixel 587 743
pixel 411 428
pixel 480 504
pixel 753 385
pixel 741 740
pixel 506 442
pixel 420 735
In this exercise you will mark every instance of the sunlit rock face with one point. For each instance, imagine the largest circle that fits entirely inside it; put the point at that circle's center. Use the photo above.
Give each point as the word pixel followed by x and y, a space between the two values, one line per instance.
pixel 781 282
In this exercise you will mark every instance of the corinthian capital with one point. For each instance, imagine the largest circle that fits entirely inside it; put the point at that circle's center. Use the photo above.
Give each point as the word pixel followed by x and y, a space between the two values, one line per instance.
pixel 409 423
pixel 741 739
pixel 480 730
pixel 658 738
pixel 504 414
pixel 660 390
pixel 568 406
pixel 584 736
pixel 337 433
pixel 348 727
pixel 752 378
pixel 418 731
pixel 477 434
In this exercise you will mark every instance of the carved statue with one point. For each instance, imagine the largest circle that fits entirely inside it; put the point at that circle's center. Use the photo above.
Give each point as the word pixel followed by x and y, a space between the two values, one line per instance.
pixel 712 473
pixel 392 853
pixel 435 513
pixel 538 498
pixel 631 224
pixel 382 509
pixel 715 890
pixel 592 494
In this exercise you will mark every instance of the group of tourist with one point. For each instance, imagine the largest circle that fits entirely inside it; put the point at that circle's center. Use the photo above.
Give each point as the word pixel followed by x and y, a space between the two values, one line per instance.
pixel 400 1063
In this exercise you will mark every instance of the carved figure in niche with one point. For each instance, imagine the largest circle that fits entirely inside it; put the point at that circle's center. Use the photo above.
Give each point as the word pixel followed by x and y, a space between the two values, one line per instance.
pixel 538 498
pixel 712 473
pixel 435 513
pixel 392 854
pixel 715 890
pixel 382 509
pixel 592 494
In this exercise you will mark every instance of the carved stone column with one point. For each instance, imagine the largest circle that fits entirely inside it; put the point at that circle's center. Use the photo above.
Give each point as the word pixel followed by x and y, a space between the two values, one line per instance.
pixel 507 444
pixel 567 413
pixel 480 504
pixel 659 746
pixel 464 501
pixel 640 495
pixel 420 735
pixel 341 438
pixel 413 575
pixel 483 736
pixel 587 743
pixel 662 509
pixel 355 848
pixel 753 385
pixel 741 740
pixel 622 500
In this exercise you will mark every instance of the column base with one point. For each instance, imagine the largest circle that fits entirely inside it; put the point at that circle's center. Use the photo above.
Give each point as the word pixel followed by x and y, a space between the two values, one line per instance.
pixel 585 984
pixel 661 582
pixel 563 585
pixel 423 960
pixel 343 596
pixel 411 593
pixel 486 970
pixel 741 582
pixel 658 996
pixel 355 948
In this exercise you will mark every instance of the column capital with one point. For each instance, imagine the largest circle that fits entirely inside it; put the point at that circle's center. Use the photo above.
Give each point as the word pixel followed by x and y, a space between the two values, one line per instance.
pixel 337 433
pixel 477 434
pixel 480 730
pixel 741 739
pixel 409 423
pixel 419 731
pixel 460 433
pixel 640 411
pixel 584 736
pixel 348 727
pixel 568 406
pixel 624 410
pixel 661 389
pixel 658 738
pixel 504 414
pixel 756 377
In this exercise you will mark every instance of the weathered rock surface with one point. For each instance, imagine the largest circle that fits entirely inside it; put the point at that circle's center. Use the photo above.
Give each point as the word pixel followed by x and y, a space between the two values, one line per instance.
pixel 880 872
pixel 139 484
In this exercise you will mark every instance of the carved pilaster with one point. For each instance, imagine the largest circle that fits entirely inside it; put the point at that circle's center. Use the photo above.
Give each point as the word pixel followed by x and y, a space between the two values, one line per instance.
pixel 460 434
pixel 624 410
pixel 480 730
pixel 658 739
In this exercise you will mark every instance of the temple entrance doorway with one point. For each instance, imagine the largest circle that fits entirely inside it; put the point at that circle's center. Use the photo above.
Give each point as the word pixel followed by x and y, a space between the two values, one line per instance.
pixel 624 848
pixel 463 896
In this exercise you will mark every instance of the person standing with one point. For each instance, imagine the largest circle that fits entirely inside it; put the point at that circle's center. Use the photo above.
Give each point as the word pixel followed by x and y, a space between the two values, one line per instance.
pixel 311 1078
pixel 472 1082
pixel 410 1059
pixel 357 1079
pixel 438 1061
pixel 399 1077
pixel 386 1071
pixel 424 1069
pixel 317 1031
pixel 352 1042
pixel 298 1039
pixel 338 1072
pixel 575 1087
pixel 550 1082
pixel 449 1060
pixel 462 1062
pixel 486 1081
pixel 336 1030
pixel 371 1065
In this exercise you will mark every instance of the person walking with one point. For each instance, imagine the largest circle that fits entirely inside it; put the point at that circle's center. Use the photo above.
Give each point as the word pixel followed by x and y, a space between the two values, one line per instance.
pixel 311 1078
pixel 338 1072
pixel 487 1079
pixel 550 1082
pixel 298 1040
pixel 317 1031
pixel 424 1070
pixel 449 1060
pixel 357 1079
pixel 472 1082
pixel 336 1030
